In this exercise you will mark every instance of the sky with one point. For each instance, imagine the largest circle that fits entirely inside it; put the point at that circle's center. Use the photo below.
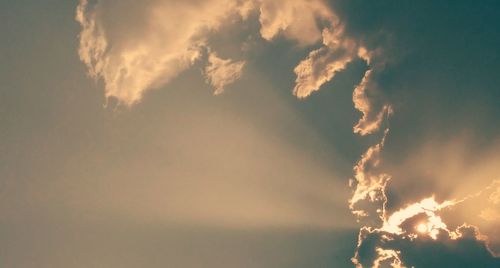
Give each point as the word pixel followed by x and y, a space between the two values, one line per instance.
pixel 249 133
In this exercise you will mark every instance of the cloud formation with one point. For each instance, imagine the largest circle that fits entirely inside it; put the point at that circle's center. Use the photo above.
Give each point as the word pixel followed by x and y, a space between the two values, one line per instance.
pixel 319 67
pixel 136 46
pixel 149 51
pixel 369 198
pixel 296 19
pixel 463 247
pixel 338 50
pixel 410 236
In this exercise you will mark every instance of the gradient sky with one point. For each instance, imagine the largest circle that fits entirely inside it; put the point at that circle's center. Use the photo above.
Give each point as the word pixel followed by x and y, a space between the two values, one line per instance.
pixel 194 144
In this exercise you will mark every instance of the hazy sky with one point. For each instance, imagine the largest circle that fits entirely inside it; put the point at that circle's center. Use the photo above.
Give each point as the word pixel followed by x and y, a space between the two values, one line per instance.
pixel 249 133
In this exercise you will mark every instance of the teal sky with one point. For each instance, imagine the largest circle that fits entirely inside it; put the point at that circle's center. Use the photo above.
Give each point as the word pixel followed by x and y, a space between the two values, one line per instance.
pixel 254 176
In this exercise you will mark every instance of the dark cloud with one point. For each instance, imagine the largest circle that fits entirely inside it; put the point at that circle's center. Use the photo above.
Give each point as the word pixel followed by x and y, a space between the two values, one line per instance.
pixel 440 77
pixel 466 251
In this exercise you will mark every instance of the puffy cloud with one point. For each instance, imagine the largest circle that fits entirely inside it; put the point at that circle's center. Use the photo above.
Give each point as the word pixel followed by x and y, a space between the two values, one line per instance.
pixel 221 72
pixel 136 46
pixel 296 19
pixel 133 56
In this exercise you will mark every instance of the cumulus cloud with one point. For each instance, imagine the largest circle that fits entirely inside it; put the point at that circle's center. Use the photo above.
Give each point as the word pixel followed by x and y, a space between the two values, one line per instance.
pixel 135 46
pixel 296 19
pixel 221 72
pixel 166 38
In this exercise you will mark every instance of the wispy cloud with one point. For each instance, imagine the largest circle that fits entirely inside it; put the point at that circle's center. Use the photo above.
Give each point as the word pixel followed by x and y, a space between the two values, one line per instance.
pixel 373 109
pixel 221 72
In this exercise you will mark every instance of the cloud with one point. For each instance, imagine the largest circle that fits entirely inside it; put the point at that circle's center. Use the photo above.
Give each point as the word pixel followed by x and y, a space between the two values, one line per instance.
pixel 369 198
pixel 365 100
pixel 319 67
pixel 463 247
pixel 221 72
pixel 133 56
pixel 405 237
pixel 163 39
pixel 136 46
pixel 338 50
pixel 450 167
pixel 490 214
pixel 296 19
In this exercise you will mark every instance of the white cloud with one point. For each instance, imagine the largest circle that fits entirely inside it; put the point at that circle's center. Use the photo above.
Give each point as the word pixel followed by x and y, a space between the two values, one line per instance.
pixel 296 19
pixel 136 46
